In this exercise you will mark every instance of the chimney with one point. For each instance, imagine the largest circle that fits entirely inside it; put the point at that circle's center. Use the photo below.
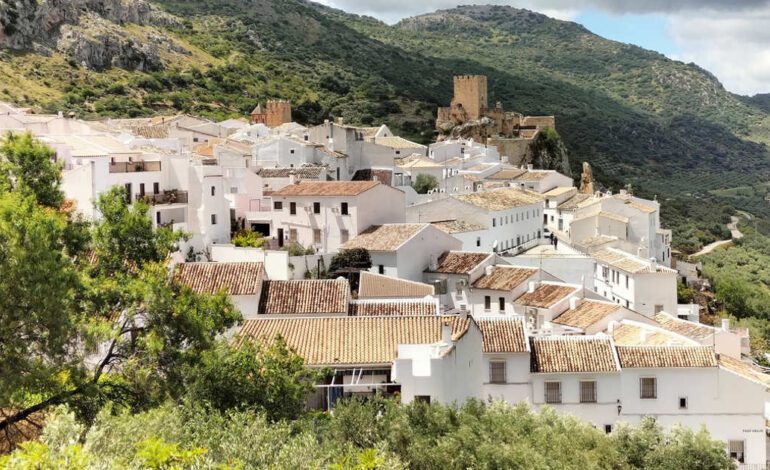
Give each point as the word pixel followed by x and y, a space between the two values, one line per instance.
pixel 340 121
pixel 489 270
pixel 532 286
pixel 433 262
pixel 725 324
pixel 530 167
pixel 653 264
pixel 293 177
pixel 623 192
pixel 611 327
pixel 574 302
pixel 446 333
pixel 60 114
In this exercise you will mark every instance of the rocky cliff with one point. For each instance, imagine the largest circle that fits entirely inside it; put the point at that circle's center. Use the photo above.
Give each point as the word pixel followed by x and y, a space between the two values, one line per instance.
pixel 89 32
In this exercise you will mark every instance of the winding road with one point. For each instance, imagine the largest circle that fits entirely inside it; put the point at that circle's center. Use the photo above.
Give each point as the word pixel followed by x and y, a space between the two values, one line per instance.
pixel 735 235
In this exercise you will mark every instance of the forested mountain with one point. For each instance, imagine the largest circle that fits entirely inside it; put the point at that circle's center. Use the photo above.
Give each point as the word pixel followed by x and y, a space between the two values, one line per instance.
pixel 668 128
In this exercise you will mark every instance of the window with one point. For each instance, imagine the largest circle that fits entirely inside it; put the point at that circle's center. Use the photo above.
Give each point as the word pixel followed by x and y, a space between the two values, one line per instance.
pixel 278 205
pixel 157 217
pixel 607 428
pixel 128 193
pixel 487 302
pixel 293 208
pixel 648 387
pixel 588 391
pixel 501 304
pixel 459 288
pixel 291 151
pixel 316 235
pixel 316 208
pixel 682 403
pixel 494 222
pixel 497 372
pixel 553 392
pixel 141 189
pixel 605 272
pixel 155 188
pixel 422 399
pixel 195 139
pixel 478 241
pixel 344 235
pixel 344 208
pixel 626 281
pixel 736 450
pixel 213 219
pixel 381 269
pixel 213 190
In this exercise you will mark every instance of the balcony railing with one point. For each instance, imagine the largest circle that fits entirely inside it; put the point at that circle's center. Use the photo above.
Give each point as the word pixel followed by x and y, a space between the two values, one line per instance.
pixel 133 167
pixel 166 197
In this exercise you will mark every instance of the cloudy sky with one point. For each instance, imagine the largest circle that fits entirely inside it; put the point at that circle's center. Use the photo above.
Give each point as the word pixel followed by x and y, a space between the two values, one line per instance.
pixel 730 38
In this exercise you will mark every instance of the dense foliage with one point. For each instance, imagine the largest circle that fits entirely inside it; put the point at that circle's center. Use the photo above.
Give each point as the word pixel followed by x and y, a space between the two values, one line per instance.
pixel 363 435
pixel 424 183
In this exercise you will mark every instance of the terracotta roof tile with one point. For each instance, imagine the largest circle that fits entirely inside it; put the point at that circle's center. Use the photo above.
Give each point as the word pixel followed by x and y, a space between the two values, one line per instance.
pixel 501 199
pixel 324 296
pixel 743 369
pixel 460 262
pixel 503 335
pixel 327 188
pixel 504 278
pixel 636 334
pixel 381 175
pixel 457 226
pixel 546 295
pixel 645 357
pixel 309 172
pixel 369 308
pixel 552 354
pixel 210 278
pixel 687 328
pixel 388 237
pixel 330 341
pixel 627 262
pixel 506 174
pixel 586 314
pixel 372 286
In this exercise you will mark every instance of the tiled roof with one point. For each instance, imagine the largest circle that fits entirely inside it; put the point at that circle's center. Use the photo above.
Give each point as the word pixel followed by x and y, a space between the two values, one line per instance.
pixel 627 262
pixel 372 308
pixel 559 190
pixel 151 132
pixel 636 334
pixel 504 278
pixel 327 188
pixel 683 327
pixel 557 354
pixel 613 216
pixel 534 175
pixel 506 174
pixel 459 262
pixel 644 357
pixel 503 335
pixel 597 241
pixel 457 226
pixel 397 142
pixel 330 341
pixel 545 295
pixel 373 286
pixel 323 296
pixel 373 174
pixel 418 161
pixel 500 199
pixel 309 172
pixel 388 237
pixel 210 278
pixel 743 369
pixel 578 200
pixel 586 314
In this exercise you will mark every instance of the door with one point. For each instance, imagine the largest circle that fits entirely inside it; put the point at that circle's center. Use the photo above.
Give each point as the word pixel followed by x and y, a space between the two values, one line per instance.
pixel 280 237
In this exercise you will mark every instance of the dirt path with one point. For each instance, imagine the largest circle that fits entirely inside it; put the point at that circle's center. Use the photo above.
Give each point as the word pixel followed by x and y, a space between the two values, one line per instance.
pixel 734 233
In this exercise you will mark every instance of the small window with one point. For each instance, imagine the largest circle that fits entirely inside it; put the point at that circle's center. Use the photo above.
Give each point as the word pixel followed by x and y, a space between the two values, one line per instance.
pixel 501 304
pixel 553 392
pixel 316 208
pixel 497 372
pixel 381 269
pixel 213 219
pixel 588 391
pixel 291 151
pixel 607 428
pixel 316 235
pixel 141 189
pixel 213 191
pixel 648 388
pixel 155 188
pixel 736 450
pixel 487 302
pixel 344 235
pixel 422 399
pixel 494 222
pixel 458 288
pixel 344 208
pixel 293 208
pixel 626 281
pixel 195 139
pixel 682 403
pixel 157 217
pixel 278 205
pixel 478 241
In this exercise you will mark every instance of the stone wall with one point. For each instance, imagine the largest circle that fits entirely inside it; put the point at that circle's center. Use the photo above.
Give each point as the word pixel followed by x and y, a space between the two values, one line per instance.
pixel 470 91
pixel 278 112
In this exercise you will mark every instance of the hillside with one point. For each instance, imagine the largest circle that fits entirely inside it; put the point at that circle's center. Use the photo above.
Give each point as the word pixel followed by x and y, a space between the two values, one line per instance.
pixel 668 128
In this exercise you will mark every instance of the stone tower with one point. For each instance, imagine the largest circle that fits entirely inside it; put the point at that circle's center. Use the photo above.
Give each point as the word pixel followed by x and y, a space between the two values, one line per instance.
pixel 471 93
pixel 278 112
pixel 258 116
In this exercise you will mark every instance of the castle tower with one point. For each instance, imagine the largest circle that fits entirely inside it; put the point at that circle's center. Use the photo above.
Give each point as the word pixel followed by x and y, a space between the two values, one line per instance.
pixel 258 116
pixel 278 112
pixel 471 93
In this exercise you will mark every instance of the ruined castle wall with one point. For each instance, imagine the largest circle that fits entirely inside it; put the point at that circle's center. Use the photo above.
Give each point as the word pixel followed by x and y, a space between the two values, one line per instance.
pixel 541 122
pixel 278 112
pixel 471 92
pixel 517 150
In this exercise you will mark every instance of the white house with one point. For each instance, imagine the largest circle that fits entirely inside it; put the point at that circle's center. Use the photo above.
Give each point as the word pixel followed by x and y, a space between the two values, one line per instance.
pixel 242 282
pixel 454 272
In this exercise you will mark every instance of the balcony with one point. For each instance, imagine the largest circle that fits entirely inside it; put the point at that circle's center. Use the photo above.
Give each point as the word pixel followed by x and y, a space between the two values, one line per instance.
pixel 166 197
pixel 133 167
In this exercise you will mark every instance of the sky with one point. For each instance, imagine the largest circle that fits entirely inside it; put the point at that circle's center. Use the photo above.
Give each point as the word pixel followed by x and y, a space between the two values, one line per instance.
pixel 729 38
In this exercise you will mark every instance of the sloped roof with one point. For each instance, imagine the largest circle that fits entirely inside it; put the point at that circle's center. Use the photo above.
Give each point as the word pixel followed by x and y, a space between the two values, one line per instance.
pixel 393 307
pixel 555 354
pixel 309 172
pixel 374 174
pixel 627 262
pixel 644 357
pixel 334 341
pixel 373 286
pixel 743 369
pixel 687 328
pixel 576 201
pixel 457 226
pixel 210 278
pixel 629 333
pixel 302 297
pixel 586 314
pixel 388 237
pixel 546 295
pixel 327 188
pixel 397 142
pixel 504 278
pixel 459 262
pixel 503 335
pixel 500 199
pixel 506 174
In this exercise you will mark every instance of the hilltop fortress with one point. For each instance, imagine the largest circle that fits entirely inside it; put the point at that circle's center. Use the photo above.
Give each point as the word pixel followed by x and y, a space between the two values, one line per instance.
pixel 469 116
